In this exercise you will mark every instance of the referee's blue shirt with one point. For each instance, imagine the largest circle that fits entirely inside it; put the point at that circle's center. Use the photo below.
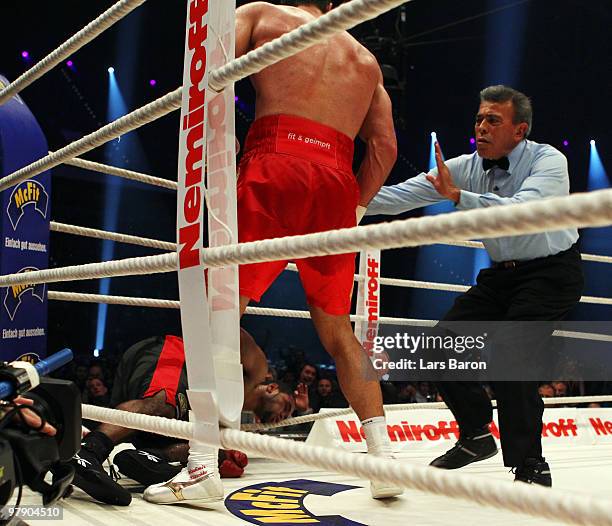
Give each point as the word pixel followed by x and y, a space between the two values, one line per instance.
pixel 536 171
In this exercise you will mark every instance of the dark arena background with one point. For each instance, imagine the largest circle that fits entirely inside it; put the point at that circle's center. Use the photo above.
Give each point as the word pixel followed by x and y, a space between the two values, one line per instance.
pixel 435 57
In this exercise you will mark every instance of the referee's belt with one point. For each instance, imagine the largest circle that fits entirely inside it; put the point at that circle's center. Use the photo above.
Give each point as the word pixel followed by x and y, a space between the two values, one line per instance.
pixel 519 263
pixel 508 264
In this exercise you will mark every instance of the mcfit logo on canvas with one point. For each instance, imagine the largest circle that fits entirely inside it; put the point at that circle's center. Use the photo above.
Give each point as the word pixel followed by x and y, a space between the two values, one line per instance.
pixel 282 503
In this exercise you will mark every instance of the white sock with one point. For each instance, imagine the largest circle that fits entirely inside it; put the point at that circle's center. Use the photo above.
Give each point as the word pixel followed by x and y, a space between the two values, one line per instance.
pixel 203 460
pixel 377 436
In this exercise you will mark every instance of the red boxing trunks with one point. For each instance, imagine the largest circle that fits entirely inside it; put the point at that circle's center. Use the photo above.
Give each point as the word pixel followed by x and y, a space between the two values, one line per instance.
pixel 295 177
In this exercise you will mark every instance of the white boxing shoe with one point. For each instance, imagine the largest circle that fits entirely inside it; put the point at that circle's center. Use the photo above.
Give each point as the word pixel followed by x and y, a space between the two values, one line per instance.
pixel 182 488
pixel 384 490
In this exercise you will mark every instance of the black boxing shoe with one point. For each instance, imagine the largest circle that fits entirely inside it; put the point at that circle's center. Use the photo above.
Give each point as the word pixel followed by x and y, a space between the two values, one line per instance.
pixel 534 471
pixel 145 467
pixel 472 448
pixel 90 476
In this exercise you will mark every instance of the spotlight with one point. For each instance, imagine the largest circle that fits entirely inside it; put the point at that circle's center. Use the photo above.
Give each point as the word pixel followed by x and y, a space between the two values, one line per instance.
pixel 96 353
pixel 25 54
pixel 565 142
pixel 111 70
pixel 152 82
pixel 432 150
pixel 598 178
pixel 472 140
pixel 69 63
pixel 236 98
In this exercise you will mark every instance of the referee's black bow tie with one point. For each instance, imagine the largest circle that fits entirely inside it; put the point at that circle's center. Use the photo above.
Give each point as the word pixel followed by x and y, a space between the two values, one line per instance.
pixel 502 163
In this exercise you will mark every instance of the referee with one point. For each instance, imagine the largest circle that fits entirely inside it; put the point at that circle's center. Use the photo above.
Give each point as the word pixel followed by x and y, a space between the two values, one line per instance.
pixel 535 277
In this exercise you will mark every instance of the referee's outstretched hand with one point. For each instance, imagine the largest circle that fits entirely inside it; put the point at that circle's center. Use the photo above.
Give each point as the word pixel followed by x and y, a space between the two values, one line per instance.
pixel 443 183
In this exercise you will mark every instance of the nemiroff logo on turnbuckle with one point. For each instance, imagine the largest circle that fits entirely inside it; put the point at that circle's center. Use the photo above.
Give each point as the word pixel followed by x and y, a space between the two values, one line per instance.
pixel 368 300
pixel 191 169
pixel 190 201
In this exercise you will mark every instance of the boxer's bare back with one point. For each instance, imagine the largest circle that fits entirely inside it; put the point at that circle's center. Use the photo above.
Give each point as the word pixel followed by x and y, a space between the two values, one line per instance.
pixel 337 83
pixel 332 83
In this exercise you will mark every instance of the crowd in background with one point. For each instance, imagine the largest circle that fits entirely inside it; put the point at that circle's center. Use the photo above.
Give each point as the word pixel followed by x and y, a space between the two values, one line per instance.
pixel 94 377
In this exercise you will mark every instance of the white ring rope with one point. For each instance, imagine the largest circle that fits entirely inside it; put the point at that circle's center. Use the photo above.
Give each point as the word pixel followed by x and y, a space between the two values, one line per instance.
pixel 466 244
pixel 113 300
pixel 166 245
pixel 74 43
pixel 590 209
pixel 596 300
pixel 122 172
pixel 584 335
pixel 110 236
pixel 596 258
pixel 305 315
pixel 414 284
pixel 448 287
pixel 339 19
pixel 137 118
pixel 452 287
pixel 334 413
pixel 108 269
pixel 131 301
pixel 534 500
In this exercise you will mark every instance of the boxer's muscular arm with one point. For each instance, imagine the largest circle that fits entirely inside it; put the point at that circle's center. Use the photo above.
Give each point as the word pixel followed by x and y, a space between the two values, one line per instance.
pixel 378 132
pixel 254 363
pixel 246 16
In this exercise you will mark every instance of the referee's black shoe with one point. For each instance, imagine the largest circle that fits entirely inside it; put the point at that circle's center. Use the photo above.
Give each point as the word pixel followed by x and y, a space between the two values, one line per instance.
pixel 534 471
pixel 471 448
pixel 90 476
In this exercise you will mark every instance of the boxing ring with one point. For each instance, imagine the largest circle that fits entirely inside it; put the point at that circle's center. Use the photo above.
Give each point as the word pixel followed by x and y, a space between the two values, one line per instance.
pixel 277 464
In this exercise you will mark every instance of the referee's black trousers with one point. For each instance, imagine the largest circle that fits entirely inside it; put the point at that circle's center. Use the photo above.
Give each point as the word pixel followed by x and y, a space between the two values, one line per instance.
pixel 543 289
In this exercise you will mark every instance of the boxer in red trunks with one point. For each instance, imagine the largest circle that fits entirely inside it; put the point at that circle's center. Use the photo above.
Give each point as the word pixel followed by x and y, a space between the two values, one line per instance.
pixel 295 177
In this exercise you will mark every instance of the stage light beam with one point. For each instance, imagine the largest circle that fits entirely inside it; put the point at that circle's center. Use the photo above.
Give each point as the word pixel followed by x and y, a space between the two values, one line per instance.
pixel 598 178
pixel 114 153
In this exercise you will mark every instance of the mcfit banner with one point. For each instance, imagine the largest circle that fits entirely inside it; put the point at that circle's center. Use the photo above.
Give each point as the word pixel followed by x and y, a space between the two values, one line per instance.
pixel 24 225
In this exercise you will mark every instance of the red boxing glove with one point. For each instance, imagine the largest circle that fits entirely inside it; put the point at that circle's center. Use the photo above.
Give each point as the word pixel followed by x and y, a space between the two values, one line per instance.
pixel 232 463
